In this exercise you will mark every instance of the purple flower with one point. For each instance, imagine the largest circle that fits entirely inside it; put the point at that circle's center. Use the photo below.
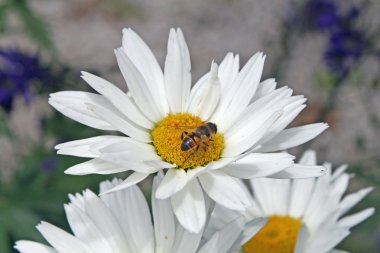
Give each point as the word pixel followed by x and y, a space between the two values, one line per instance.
pixel 17 72
pixel 345 46
pixel 322 14
pixel 345 43
pixel 49 164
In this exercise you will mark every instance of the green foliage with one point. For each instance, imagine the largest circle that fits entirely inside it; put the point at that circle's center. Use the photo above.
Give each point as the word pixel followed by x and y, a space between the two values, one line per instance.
pixel 4 128
pixel 33 194
pixel 33 25
pixel 3 11
pixel 326 80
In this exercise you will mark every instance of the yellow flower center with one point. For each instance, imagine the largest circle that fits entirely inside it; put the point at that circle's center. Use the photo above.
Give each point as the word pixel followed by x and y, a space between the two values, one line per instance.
pixel 182 130
pixel 279 235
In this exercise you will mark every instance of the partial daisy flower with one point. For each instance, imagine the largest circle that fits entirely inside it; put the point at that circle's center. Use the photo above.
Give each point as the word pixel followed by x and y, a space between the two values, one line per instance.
pixel 121 223
pixel 208 136
pixel 305 215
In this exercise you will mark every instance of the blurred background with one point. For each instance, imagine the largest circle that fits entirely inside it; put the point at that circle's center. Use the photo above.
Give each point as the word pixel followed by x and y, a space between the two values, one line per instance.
pixel 327 50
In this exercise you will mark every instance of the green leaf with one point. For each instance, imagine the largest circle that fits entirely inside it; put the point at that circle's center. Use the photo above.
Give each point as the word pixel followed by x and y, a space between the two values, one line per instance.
pixel 33 25
pixel 326 80
pixel 4 238
pixel 22 224
pixel 4 128
pixel 3 17
pixel 4 241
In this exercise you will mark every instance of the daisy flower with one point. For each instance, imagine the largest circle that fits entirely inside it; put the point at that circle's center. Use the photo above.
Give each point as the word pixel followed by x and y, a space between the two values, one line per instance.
pixel 305 215
pixel 121 223
pixel 207 137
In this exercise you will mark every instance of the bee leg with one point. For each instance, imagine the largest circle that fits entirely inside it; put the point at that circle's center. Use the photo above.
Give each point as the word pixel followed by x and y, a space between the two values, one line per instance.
pixel 204 140
pixel 187 158
pixel 183 134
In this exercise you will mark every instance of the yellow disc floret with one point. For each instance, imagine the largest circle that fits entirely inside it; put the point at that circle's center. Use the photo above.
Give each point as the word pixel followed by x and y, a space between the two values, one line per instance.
pixel 279 235
pixel 166 137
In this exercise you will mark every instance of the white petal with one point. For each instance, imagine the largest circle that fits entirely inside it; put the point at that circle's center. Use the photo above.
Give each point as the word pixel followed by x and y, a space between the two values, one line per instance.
pixel 338 251
pixel 118 98
pixel 259 165
pixel 352 199
pixel 94 166
pixel 228 71
pixel 129 149
pixel 300 171
pixel 228 235
pixel 77 200
pixel 33 247
pixel 73 105
pixel 144 60
pixel 121 124
pixel 274 101
pixel 132 179
pixel 189 206
pixel 301 242
pixel 339 171
pixel 164 223
pixel 241 91
pixel 300 195
pixel 62 241
pixel 129 143
pixel 131 210
pixel 223 162
pixel 185 241
pixel 265 87
pixel 252 227
pixel 293 137
pixel 263 192
pixel 122 160
pixel 83 148
pixel 334 238
pixel 198 88
pixel 177 72
pixel 174 181
pixel 103 218
pixel 220 216
pixel 309 157
pixel 159 164
pixel 85 229
pixel 286 118
pixel 210 246
pixel 225 190
pixel 204 101
pixel 193 173
pixel 245 139
pixel 315 200
pixel 354 219
pixel 137 86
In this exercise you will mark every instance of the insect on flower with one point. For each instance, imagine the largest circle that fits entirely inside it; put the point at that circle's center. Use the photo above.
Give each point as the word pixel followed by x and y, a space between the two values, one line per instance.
pixel 197 137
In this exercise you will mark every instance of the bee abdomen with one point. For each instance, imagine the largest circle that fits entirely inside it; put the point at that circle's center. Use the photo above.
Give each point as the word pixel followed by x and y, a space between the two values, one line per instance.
pixel 187 144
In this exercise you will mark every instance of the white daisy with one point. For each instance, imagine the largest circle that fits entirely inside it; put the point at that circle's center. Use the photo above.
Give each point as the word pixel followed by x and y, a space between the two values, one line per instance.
pixel 121 223
pixel 249 117
pixel 305 215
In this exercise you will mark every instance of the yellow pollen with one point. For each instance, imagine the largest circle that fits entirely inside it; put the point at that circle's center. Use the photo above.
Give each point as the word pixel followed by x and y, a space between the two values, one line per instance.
pixel 166 137
pixel 279 235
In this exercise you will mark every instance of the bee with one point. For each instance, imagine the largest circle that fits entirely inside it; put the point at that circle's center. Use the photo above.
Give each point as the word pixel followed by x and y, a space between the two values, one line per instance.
pixel 200 135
